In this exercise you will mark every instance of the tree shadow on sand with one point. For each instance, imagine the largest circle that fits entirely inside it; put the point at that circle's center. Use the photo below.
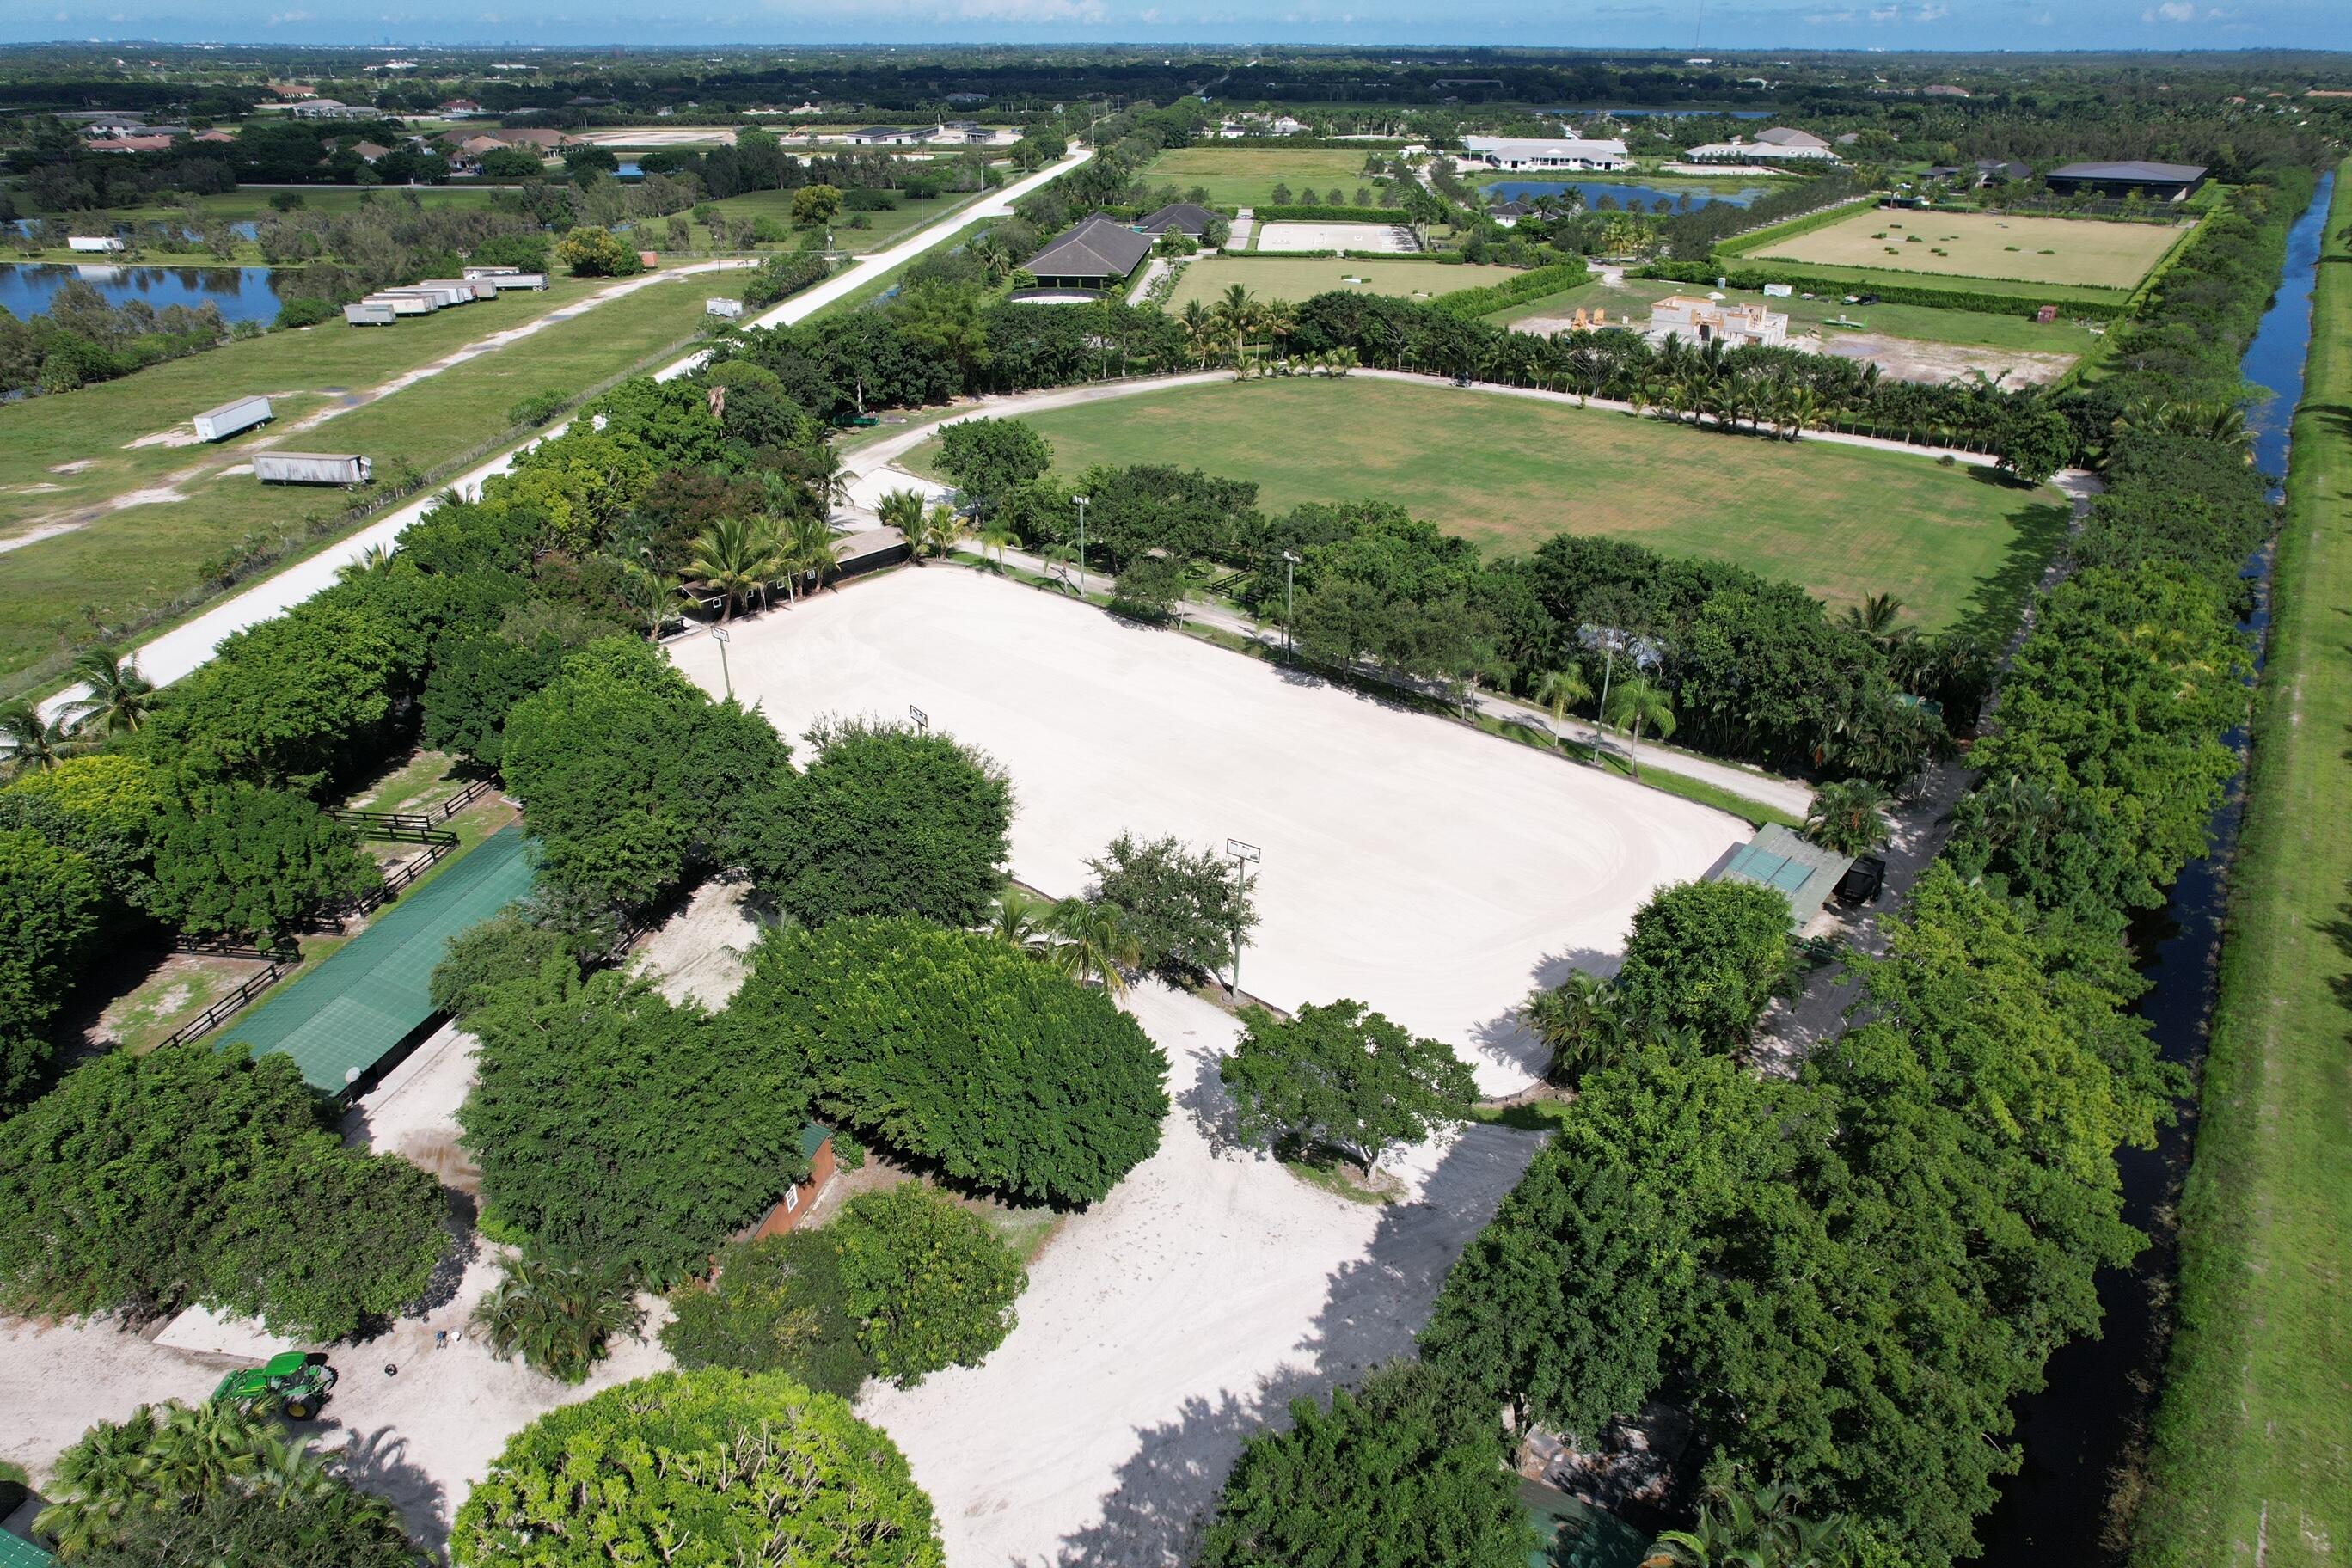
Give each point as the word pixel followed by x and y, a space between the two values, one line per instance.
pixel 1505 1040
pixel 1375 1304
pixel 378 1462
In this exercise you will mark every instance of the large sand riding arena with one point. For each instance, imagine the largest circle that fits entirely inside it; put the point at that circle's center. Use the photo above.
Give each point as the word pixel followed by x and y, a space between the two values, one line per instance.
pixel 1984 245
pixel 1386 238
pixel 1302 278
pixel 1430 871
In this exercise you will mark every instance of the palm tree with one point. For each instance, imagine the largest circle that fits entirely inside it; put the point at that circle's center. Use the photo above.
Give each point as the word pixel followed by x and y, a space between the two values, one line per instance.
pixel 558 1317
pixel 374 558
pixel 902 509
pixel 1339 362
pixel 1018 919
pixel 99 1480
pixel 1236 313
pixel 1758 1527
pixel 936 532
pixel 1200 327
pixel 1582 1022
pixel 1634 702
pixel 651 592
pixel 119 696
pixel 805 549
pixel 1875 618
pixel 1090 943
pixel 1561 689
pixel 995 539
pixel 1801 408
pixel 827 479
pixel 736 557
pixel 30 743
pixel 1849 817
pixel 1280 320
pixel 204 1448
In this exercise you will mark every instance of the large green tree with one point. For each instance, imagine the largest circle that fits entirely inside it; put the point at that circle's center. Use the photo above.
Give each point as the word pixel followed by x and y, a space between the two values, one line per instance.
pixel 886 821
pixel 1342 1078
pixel 986 457
pixel 777 1304
pixel 1406 1471
pixel 617 1130
pixel 930 1282
pixel 698 1470
pixel 953 1047
pixel 1708 957
pixel 236 861
pixel 146 1182
pixel 1181 907
pixel 49 912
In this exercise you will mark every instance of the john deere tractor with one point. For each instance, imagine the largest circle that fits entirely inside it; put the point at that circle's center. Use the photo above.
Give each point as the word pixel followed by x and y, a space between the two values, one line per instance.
pixel 297 1381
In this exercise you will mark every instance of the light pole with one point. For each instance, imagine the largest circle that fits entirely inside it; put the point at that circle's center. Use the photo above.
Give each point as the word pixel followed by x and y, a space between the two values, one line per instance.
pixel 718 634
pixel 1082 544
pixel 1290 581
pixel 1244 857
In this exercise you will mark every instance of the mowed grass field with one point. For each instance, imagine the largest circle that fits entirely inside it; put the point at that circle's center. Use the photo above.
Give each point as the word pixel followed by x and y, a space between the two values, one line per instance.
pixel 883 229
pixel 53 591
pixel 1207 279
pixel 2252 1450
pixel 1982 245
pixel 1509 472
pixel 1246 176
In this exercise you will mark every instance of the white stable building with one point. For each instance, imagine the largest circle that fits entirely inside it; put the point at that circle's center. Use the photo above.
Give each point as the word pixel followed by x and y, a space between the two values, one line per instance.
pixel 1545 153
pixel 1709 320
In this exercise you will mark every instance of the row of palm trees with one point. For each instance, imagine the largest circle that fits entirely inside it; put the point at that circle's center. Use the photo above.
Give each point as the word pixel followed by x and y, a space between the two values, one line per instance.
pixel 117 702
pixel 1086 939
pixel 739 558
pixel 933 529
pixel 1223 332
pixel 1632 703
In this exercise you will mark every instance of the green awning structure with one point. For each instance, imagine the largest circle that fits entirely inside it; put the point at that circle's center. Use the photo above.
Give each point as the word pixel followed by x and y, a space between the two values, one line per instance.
pixel 1576 1534
pixel 15 1552
pixel 346 1015
pixel 1805 873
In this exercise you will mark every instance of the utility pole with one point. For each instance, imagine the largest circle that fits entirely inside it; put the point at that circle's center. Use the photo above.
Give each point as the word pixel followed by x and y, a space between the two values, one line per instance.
pixel 1082 544
pixel 1290 581
pixel 1244 857
pixel 718 634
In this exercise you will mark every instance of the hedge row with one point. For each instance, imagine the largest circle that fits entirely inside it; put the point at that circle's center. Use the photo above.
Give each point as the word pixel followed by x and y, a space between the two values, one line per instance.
pixel 1890 293
pixel 1295 213
pixel 1773 232
pixel 1529 285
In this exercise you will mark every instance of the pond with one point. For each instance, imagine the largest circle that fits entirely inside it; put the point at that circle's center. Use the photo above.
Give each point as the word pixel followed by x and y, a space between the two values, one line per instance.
pixel 242 293
pixel 1622 194
pixel 2078 1430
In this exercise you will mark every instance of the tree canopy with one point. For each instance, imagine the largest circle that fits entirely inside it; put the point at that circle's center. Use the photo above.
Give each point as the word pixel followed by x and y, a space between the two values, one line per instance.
pixel 932 1283
pixel 952 1047
pixel 698 1470
pixel 235 862
pixel 1180 906
pixel 1708 957
pixel 1340 1078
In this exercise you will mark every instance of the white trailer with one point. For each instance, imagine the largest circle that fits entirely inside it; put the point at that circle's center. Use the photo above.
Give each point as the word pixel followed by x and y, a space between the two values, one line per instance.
pixel 439 293
pixel 369 313
pixel 730 308
pixel 237 413
pixel 506 280
pixel 461 289
pixel 401 302
pixel 100 245
pixel 309 469
pixel 470 273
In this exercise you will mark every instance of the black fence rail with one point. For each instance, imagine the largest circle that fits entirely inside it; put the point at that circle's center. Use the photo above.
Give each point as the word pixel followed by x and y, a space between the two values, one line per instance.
pixel 228 1006
pixel 214 947
pixel 411 827
pixel 331 915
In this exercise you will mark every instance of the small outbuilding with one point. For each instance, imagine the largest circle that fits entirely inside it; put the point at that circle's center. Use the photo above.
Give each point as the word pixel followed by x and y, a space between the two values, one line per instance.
pixel 1098 254
pixel 1797 869
pixel 817 1148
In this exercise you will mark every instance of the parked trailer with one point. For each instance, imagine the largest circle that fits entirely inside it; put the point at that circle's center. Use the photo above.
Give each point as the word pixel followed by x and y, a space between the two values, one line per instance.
pixel 473 272
pixel 403 304
pixel 100 245
pixel 506 280
pixel 445 293
pixel 237 413
pixel 309 469
pixel 461 289
pixel 730 308
pixel 369 313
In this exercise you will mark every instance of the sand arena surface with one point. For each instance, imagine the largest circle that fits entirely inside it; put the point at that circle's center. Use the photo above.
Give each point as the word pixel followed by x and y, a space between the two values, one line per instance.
pixel 1432 872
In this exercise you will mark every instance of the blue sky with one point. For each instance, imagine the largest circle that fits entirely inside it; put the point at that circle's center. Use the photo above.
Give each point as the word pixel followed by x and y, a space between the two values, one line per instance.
pixel 1669 24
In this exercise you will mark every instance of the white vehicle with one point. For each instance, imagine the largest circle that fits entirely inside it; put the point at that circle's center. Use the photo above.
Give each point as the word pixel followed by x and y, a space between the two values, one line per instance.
pixel 369 313
pixel 237 413
pixel 94 245
pixel 729 308
pixel 309 469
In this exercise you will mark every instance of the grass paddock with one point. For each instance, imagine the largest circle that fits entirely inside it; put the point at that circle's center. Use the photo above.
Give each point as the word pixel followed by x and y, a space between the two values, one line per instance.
pixel 1983 245
pixel 1246 176
pixel 1508 472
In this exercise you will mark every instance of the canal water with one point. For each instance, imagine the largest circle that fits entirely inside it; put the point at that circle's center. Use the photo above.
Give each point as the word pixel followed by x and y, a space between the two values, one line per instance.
pixel 2083 1425
pixel 242 293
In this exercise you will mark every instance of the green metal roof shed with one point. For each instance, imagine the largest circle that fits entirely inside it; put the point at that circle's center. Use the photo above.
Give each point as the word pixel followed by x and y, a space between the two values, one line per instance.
pixel 1802 872
pixel 346 1015
pixel 15 1552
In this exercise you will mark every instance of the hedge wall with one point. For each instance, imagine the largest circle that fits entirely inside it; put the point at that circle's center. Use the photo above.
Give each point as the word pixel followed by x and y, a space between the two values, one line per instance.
pixel 1528 284
pixel 1772 233
pixel 1295 213
pixel 1892 293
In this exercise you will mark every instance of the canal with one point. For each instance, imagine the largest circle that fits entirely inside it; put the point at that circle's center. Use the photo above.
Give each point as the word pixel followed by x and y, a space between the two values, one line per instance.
pixel 2081 1432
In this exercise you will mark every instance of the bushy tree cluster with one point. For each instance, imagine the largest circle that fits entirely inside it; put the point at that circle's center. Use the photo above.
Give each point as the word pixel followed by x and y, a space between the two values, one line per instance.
pixel 1708 957
pixel 1180 906
pixel 957 1050
pixel 141 1184
pixel 930 1283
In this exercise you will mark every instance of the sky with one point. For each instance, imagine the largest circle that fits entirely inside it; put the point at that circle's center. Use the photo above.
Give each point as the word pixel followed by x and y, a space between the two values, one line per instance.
pixel 1693 25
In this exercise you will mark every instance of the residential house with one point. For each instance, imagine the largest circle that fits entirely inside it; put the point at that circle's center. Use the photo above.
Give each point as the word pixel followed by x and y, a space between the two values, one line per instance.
pixel 290 91
pixel 457 107
pixel 332 108
pixel 131 144
pixel 884 136
pixel 538 136
pixel 215 136
pixel 1711 320
pixel 1780 144
pixel 1096 254
pixel 370 151
pixel 1545 153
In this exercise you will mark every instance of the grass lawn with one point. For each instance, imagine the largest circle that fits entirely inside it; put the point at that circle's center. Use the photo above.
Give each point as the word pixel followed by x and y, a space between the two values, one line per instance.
pixel 53 591
pixel 2252 1452
pixel 1970 329
pixel 1508 472
pixel 1246 176
pixel 883 229
pixel 1207 279
pixel 1980 245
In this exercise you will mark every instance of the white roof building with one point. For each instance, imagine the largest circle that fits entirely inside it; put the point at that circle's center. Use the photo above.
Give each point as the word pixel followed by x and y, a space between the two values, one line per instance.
pixel 1709 321
pixel 1781 144
pixel 1545 153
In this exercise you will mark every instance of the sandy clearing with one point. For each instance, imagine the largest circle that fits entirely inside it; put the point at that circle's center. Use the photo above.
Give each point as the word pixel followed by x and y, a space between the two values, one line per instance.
pixel 700 951
pixel 177 436
pixel 1416 865
pixel 1912 359
pixel 1394 239
pixel 1171 1321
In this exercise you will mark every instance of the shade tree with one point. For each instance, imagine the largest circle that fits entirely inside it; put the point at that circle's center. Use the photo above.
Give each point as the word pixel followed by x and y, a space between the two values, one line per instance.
pixel 1341 1079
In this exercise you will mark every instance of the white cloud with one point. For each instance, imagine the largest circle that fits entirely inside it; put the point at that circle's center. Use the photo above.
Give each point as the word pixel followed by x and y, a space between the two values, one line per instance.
pixel 1883 12
pixel 2170 11
pixel 1035 11
pixel 287 18
pixel 1933 13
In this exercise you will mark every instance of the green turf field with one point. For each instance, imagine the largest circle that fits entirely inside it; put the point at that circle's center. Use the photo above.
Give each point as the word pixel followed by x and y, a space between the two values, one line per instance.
pixel 1968 329
pixel 54 590
pixel 2039 250
pixel 1207 279
pixel 883 229
pixel 1508 472
pixel 2252 1449
pixel 1246 176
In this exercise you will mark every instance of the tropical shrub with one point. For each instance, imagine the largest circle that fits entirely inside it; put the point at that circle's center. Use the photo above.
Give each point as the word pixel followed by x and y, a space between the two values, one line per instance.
pixel 1708 957
pixel 1182 907
pixel 986 457
pixel 700 1469
pixel 239 862
pixel 481 958
pixel 886 821
pixel 597 253
pixel 932 1283
pixel 1341 1079
pixel 558 1318
pixel 141 1184
pixel 778 1304
pixel 952 1047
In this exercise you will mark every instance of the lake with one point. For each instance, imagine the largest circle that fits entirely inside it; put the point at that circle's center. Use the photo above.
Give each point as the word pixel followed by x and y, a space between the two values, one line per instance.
pixel 1624 194
pixel 242 293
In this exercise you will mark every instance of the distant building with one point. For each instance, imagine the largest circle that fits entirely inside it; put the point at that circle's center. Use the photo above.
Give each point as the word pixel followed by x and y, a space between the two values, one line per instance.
pixel 480 146
pixel 215 136
pixel 1781 144
pixel 290 90
pixel 370 151
pixel 1992 171
pixel 1096 254
pixel 457 107
pixel 1183 217
pixel 1545 153
pixel 130 144
pixel 1802 872
pixel 966 134
pixel 885 136
pixel 537 136
pixel 1943 90
pixel 2157 181
pixel 331 108
pixel 1711 320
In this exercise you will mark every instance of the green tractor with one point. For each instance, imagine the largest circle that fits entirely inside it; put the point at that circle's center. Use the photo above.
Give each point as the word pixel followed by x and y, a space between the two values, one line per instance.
pixel 297 1380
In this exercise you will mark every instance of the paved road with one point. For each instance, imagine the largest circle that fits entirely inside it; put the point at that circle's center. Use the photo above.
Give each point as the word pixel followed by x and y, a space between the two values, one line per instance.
pixel 170 655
